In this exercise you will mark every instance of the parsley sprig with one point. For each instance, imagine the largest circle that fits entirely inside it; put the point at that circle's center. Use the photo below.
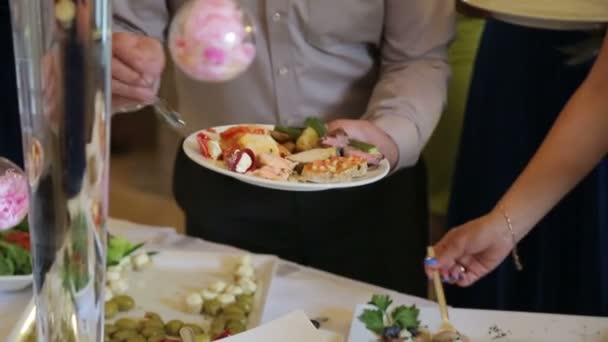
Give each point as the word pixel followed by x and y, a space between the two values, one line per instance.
pixel 380 317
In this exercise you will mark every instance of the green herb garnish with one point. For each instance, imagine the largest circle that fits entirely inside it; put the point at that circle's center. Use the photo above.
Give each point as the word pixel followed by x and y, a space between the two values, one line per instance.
pixel 382 321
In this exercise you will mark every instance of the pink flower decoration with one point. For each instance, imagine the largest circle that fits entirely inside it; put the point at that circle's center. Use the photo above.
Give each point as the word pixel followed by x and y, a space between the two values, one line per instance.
pixel 214 56
pixel 14 201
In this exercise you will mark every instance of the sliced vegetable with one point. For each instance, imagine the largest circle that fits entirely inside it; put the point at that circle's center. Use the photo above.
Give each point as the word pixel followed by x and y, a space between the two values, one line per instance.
pixel 14 260
pixel 241 161
pixel 293 132
pixel 237 130
pixel 308 140
pixel 363 146
pixel 318 125
pixel 289 146
pixel 312 155
pixel 280 137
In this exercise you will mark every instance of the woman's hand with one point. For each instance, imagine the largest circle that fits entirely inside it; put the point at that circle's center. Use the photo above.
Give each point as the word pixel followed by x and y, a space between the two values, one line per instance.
pixel 469 252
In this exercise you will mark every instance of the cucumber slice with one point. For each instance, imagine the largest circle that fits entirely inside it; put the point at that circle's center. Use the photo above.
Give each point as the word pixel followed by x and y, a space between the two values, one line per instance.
pixel 317 125
pixel 363 146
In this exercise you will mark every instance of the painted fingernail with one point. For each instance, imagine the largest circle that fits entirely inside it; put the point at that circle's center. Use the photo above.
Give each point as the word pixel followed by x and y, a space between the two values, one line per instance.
pixel 446 279
pixel 430 261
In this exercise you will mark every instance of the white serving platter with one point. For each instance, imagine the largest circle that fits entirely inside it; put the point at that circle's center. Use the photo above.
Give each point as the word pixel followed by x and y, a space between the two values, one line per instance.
pixel 173 275
pixel 503 326
pixel 191 149
pixel 15 283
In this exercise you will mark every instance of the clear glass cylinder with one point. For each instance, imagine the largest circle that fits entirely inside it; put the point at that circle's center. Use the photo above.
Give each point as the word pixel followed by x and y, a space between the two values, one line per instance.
pixel 63 53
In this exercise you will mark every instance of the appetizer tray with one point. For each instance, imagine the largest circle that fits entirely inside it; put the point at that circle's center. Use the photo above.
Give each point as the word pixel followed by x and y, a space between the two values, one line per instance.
pixel 550 14
pixel 165 287
pixel 363 173
pixel 503 326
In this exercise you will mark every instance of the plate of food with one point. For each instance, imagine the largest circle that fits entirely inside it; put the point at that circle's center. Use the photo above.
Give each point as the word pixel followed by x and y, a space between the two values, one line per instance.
pixel 154 295
pixel 549 14
pixel 382 321
pixel 15 259
pixel 307 158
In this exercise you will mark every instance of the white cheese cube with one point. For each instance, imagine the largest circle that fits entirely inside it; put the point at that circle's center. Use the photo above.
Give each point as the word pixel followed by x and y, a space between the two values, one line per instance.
pixel 245 260
pixel 140 261
pixel 234 290
pixel 244 271
pixel 119 286
pixel 126 264
pixel 209 295
pixel 218 286
pixel 117 269
pixel 194 303
pixel 214 149
pixel 226 299
pixel 248 285
pixel 112 276
pixel 108 295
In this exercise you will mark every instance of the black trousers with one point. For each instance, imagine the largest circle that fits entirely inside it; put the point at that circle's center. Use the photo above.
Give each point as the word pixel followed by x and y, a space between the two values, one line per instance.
pixel 376 233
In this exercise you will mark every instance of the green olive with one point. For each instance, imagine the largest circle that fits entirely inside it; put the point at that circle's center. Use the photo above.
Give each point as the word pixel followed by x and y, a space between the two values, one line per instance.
pixel 202 338
pixel 236 327
pixel 218 326
pixel 195 328
pixel 111 309
pixel 137 338
pixel 125 303
pixel 152 331
pixel 241 319
pixel 172 327
pixel 212 307
pixel 156 338
pixel 153 316
pixel 234 309
pixel 246 307
pixel 126 323
pixel 248 299
pixel 123 335
pixel 152 323
pixel 109 329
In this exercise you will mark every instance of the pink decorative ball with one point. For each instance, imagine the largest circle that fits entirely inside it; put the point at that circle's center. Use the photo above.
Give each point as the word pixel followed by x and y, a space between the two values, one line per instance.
pixel 14 195
pixel 212 40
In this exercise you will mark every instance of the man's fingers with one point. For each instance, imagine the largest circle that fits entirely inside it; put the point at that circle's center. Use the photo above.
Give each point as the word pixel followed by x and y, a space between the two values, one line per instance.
pixel 136 94
pixel 125 74
pixel 142 54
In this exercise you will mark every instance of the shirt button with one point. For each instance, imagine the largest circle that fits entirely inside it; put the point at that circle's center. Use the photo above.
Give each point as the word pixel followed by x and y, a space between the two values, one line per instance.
pixel 283 71
pixel 277 16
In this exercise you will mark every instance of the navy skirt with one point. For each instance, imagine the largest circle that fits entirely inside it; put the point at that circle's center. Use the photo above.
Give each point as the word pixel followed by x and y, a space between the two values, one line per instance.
pixel 520 84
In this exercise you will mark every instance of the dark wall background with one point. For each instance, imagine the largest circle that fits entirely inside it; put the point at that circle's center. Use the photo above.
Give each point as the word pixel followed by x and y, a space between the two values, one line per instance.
pixel 10 138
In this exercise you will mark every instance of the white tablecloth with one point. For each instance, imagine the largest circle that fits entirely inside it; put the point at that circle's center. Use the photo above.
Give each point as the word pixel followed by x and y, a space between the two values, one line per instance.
pixel 295 287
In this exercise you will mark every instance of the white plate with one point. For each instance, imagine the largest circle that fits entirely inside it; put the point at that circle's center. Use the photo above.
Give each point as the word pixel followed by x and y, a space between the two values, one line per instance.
pixel 549 14
pixel 15 283
pixel 487 326
pixel 162 288
pixel 191 149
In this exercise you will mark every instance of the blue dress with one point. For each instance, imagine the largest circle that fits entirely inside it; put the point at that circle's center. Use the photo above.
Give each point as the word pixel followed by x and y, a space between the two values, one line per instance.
pixel 519 86
pixel 10 133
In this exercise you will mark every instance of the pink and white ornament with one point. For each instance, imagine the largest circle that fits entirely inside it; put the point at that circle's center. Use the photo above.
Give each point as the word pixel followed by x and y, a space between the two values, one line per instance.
pixel 14 195
pixel 212 40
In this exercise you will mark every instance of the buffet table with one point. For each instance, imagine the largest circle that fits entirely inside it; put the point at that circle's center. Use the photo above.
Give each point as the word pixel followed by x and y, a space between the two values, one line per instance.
pixel 317 293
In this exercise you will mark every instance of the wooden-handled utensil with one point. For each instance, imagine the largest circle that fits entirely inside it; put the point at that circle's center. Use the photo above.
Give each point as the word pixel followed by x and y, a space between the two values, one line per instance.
pixel 447 332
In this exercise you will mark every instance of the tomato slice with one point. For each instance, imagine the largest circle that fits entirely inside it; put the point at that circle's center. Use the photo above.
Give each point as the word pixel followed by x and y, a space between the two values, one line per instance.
pixel 236 130
pixel 21 239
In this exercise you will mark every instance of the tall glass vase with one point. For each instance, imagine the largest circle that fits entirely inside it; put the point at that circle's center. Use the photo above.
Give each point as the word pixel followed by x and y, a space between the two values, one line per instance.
pixel 62 53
